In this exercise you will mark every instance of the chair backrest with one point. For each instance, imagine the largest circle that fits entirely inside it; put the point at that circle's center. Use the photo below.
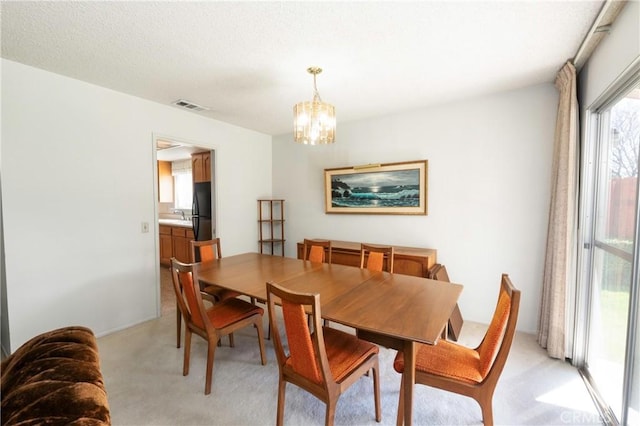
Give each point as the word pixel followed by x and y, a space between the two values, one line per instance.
pixel 188 297
pixel 205 251
pixel 376 256
pixel 439 273
pixel 317 250
pixel 495 345
pixel 306 354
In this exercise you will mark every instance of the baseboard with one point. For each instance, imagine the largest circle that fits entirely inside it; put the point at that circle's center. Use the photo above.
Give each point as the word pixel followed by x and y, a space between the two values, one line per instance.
pixel 124 327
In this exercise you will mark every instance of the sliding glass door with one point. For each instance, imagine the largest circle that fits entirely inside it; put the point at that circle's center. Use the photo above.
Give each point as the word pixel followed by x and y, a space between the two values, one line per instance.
pixel 611 358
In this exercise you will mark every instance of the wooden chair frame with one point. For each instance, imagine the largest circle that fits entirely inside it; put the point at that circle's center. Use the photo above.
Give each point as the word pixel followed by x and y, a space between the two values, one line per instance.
pixel 329 390
pixel 387 252
pixel 482 392
pixel 209 333
pixel 326 249
pixel 195 245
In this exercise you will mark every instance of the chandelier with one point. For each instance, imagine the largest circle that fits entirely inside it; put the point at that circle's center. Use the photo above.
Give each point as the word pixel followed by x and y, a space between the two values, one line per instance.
pixel 314 122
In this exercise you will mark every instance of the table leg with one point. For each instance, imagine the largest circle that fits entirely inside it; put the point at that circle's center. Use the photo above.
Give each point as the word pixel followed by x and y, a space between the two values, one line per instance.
pixel 409 379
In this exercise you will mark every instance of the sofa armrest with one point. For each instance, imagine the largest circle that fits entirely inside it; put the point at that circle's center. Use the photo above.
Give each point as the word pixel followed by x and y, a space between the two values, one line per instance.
pixel 55 378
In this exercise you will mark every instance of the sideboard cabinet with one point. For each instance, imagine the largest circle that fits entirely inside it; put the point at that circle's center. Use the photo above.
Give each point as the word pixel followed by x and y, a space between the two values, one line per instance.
pixel 407 260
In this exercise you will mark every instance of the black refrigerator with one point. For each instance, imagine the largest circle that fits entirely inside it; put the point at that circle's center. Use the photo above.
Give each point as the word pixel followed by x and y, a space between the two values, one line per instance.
pixel 202 211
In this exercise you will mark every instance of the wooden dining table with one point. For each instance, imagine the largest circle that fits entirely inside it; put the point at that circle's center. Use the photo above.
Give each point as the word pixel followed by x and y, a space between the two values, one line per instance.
pixel 393 310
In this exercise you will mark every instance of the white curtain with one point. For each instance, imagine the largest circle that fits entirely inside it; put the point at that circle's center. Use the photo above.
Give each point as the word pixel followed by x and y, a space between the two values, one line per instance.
pixel 183 184
pixel 559 266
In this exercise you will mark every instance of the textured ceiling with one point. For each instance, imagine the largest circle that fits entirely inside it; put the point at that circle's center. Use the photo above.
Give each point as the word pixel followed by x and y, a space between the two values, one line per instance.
pixel 247 61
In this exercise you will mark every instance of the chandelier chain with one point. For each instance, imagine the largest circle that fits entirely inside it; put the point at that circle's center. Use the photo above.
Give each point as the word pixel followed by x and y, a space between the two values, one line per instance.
pixel 315 71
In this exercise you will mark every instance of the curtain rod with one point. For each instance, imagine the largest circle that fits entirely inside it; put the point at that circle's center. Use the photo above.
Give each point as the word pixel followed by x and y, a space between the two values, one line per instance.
pixel 601 26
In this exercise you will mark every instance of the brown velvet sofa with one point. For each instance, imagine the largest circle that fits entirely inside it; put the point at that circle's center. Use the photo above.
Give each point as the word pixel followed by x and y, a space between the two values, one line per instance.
pixel 55 379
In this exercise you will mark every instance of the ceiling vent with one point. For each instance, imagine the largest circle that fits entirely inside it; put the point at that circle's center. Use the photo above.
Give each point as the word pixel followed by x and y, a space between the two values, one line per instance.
pixel 189 105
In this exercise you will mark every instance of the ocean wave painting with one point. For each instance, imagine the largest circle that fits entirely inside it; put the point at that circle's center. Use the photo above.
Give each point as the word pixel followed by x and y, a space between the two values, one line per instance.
pixel 385 196
pixel 392 188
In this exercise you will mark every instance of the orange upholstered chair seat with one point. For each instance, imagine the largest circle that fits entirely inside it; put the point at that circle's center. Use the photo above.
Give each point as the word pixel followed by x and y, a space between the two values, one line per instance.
pixel 345 352
pixel 230 311
pixel 445 359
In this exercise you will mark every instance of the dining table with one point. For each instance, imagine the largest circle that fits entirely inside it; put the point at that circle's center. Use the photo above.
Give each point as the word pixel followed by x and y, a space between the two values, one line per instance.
pixel 393 310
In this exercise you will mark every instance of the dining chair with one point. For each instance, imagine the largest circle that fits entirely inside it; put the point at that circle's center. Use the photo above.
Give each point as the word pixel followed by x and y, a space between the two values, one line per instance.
pixel 206 251
pixel 317 251
pixel 452 329
pixel 221 319
pixel 324 362
pixel 375 257
pixel 470 372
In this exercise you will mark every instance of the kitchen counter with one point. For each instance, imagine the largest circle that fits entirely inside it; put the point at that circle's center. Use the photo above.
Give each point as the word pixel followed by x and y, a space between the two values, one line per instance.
pixel 176 222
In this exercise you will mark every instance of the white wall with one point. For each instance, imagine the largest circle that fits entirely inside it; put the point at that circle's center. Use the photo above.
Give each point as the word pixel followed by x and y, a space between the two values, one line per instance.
pixel 489 182
pixel 78 181
pixel 614 55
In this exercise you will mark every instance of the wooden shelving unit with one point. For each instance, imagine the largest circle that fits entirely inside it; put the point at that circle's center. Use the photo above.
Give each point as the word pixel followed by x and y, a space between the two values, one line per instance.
pixel 271 226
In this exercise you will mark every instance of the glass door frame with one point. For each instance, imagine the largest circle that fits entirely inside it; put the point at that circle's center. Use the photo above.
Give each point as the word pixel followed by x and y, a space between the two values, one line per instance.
pixel 593 132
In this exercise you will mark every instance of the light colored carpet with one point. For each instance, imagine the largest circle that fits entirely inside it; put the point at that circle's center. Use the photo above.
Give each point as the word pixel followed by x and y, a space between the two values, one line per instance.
pixel 143 373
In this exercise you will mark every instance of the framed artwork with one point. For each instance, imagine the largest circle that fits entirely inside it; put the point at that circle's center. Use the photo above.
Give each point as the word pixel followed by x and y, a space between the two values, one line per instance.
pixel 393 188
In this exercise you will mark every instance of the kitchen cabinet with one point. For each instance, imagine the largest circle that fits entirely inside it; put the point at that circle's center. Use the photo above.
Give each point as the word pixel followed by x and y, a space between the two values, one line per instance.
pixel 165 182
pixel 175 241
pixel 166 245
pixel 201 167
pixel 182 243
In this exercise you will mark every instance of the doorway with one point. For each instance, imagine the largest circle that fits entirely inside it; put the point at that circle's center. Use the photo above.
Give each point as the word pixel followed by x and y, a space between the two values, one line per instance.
pixel 611 364
pixel 185 206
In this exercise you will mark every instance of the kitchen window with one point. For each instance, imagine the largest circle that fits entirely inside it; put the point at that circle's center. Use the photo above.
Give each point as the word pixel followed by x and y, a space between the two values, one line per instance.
pixel 183 184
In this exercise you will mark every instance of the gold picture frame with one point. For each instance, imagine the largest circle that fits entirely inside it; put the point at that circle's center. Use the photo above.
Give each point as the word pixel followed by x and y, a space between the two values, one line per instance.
pixel 392 188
